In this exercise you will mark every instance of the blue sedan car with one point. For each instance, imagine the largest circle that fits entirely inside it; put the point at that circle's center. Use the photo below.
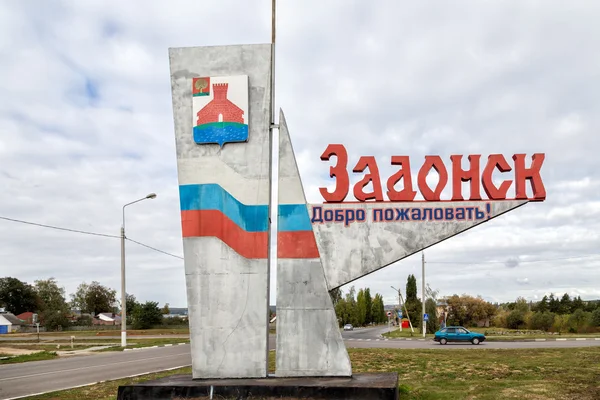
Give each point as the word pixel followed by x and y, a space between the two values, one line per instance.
pixel 458 334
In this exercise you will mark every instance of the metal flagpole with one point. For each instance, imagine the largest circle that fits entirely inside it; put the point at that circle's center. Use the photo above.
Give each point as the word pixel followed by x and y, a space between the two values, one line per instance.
pixel 272 126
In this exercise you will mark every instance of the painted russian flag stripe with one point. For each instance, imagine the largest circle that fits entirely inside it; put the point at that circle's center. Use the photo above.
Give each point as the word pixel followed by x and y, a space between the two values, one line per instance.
pixel 198 223
pixel 209 210
pixel 293 217
pixel 250 218
pixel 299 244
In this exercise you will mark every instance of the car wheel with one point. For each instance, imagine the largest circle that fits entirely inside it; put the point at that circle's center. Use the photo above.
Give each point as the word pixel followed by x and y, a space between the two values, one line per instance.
pixel 443 341
pixel 475 341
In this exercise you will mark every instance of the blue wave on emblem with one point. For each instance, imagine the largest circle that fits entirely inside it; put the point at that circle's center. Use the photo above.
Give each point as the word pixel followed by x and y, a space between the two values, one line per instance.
pixel 221 133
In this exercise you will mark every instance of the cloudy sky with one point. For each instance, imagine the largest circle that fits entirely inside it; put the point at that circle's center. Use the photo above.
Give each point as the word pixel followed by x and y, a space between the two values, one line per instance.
pixel 86 126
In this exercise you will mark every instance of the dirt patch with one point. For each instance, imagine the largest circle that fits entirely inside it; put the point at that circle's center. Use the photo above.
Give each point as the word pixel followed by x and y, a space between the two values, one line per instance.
pixel 17 352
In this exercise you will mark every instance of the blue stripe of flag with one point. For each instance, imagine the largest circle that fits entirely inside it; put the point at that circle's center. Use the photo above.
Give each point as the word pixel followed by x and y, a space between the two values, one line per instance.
pixel 251 218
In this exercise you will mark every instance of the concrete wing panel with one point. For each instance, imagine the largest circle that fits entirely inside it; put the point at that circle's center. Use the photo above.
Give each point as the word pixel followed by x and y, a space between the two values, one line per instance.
pixel 391 232
pixel 309 341
pixel 224 198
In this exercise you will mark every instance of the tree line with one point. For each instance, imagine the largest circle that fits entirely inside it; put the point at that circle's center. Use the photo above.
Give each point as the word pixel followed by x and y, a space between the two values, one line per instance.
pixel 360 309
pixel 550 314
pixel 47 299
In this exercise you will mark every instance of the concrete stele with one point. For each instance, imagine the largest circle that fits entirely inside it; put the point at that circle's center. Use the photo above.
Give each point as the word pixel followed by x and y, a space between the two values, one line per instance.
pixel 309 341
pixel 224 193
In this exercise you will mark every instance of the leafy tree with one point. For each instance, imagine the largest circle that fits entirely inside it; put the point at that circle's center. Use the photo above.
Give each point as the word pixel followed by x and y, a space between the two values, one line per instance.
pixel 368 306
pixel 378 311
pixel 130 302
pixel 595 317
pixel 346 309
pixel 145 316
pixel 78 298
pixel 515 319
pixel 578 320
pixel 468 310
pixel 542 320
pixel 94 298
pixel 53 305
pixel 521 305
pixel 18 297
pixel 54 320
pixel 52 296
pixel 165 309
pixel 431 309
pixel 361 307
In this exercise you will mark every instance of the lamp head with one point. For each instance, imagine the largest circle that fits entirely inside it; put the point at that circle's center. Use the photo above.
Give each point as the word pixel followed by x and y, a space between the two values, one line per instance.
pixel 151 196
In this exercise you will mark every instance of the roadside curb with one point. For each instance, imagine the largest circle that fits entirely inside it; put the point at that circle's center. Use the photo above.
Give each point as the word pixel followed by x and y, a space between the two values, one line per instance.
pixel 154 347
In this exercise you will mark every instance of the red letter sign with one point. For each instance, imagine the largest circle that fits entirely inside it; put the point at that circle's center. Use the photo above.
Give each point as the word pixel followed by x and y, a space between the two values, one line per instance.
pixel 437 164
pixel 522 175
pixel 406 194
pixel 459 176
pixel 372 176
pixel 339 171
pixel 494 193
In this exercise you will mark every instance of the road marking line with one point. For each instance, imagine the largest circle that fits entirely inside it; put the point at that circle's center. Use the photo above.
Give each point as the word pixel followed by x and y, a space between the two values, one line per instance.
pixel 561 339
pixel 95 383
pixel 91 366
pixel 540 340
pixel 168 345
pixel 580 339
pixel 598 338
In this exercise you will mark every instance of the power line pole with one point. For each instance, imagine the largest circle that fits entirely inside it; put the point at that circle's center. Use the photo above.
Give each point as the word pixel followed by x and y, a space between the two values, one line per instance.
pixel 423 291
pixel 405 310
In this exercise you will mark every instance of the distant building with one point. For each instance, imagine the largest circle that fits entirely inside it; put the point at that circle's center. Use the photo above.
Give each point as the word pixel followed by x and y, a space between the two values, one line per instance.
pixel 106 319
pixel 28 317
pixel 9 323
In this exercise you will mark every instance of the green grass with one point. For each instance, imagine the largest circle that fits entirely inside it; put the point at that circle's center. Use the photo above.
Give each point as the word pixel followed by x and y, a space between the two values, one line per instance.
pixel 44 355
pixel 474 374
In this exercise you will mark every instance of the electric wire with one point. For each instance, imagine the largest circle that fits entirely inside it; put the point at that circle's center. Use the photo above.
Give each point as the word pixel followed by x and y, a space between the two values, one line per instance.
pixel 89 233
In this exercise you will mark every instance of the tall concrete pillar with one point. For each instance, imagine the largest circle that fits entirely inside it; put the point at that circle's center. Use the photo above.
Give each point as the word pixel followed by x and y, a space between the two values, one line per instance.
pixel 224 199
pixel 309 341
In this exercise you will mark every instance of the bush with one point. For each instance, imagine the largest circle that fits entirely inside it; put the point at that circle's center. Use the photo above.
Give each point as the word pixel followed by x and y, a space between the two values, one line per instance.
pixel 515 320
pixel 499 320
pixel 542 321
pixel 561 323
pixel 54 320
pixel 595 319
pixel 579 320
pixel 145 316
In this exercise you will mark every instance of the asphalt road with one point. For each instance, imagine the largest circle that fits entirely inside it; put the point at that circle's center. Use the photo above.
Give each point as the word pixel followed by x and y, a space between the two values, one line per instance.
pixel 18 380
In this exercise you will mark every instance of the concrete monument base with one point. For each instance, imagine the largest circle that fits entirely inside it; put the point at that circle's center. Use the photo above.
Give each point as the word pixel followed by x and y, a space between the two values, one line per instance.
pixel 370 386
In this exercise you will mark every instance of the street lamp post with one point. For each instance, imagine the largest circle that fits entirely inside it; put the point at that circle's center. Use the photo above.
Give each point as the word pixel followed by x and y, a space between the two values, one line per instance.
pixel 123 295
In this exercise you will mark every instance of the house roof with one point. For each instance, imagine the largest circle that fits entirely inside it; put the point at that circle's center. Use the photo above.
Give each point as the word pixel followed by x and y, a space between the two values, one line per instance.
pixel 25 316
pixel 12 319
